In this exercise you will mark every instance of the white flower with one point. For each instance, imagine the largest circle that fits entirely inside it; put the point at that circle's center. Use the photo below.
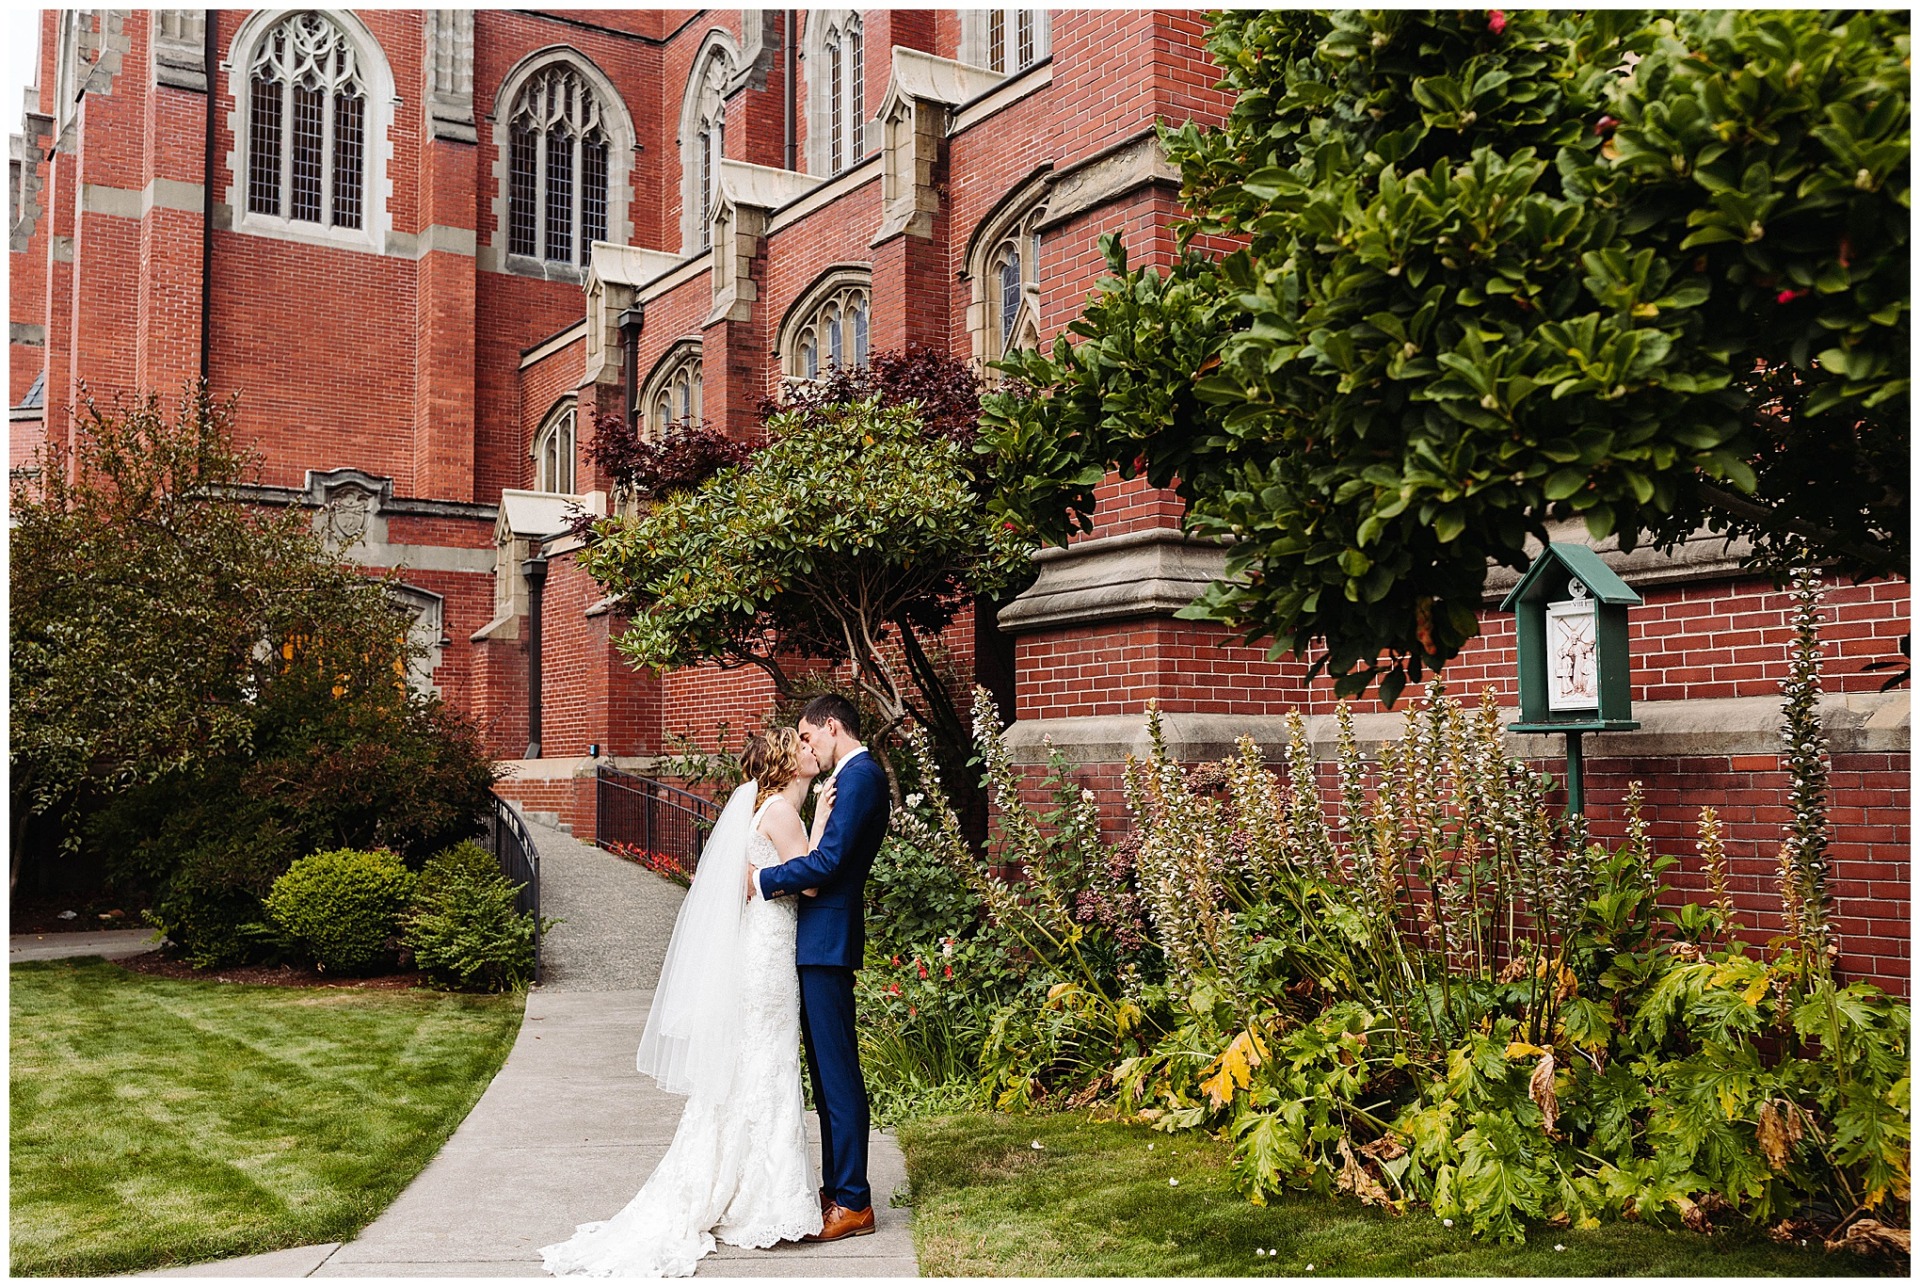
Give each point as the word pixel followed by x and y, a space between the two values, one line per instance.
pixel 1172 1183
pixel 1259 1251
pixel 1447 1223
pixel 1309 1268
pixel 913 799
pixel 1559 1246
pixel 1038 1144
pixel 1086 795
pixel 1149 1148
pixel 946 948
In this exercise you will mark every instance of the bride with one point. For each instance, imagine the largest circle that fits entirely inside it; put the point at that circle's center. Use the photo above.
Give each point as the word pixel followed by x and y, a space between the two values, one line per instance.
pixel 724 1031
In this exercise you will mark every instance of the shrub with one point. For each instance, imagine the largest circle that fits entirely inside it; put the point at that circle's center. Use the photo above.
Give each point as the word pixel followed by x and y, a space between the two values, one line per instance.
pixel 211 908
pixel 343 906
pixel 463 928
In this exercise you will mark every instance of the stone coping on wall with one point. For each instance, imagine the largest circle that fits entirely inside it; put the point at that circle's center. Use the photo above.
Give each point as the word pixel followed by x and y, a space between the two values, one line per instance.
pixel 563 768
pixel 1158 571
pixel 1854 722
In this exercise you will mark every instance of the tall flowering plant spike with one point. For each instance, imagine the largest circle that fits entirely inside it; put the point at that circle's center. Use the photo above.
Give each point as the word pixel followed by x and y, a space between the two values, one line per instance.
pixel 1803 857
pixel 1713 853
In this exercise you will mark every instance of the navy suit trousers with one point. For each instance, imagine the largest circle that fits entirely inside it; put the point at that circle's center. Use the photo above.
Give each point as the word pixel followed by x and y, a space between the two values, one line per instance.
pixel 839 1093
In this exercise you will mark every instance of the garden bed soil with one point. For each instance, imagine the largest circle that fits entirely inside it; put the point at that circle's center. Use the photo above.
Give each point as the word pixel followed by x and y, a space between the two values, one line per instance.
pixel 160 965
pixel 40 914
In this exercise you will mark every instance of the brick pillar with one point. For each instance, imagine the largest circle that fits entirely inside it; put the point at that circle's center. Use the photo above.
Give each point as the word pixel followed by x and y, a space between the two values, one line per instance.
pixel 443 433
pixel 168 331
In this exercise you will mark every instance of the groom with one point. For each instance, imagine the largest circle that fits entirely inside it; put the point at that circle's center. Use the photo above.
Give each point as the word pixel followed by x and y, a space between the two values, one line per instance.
pixel 831 940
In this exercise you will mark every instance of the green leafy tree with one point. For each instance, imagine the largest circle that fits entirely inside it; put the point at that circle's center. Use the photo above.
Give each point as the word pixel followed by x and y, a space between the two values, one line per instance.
pixel 854 535
pixel 1495 270
pixel 161 634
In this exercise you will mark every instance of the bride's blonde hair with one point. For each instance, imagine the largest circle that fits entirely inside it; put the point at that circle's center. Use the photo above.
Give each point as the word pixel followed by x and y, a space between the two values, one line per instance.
pixel 772 759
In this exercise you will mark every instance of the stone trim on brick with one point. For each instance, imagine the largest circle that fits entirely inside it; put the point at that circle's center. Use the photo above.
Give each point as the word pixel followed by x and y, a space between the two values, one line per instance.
pixel 180 49
pixel 1151 573
pixel 1854 722
pixel 1106 176
pixel 449 77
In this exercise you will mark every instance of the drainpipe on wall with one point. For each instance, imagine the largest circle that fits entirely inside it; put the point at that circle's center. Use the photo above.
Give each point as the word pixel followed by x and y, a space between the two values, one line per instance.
pixel 786 40
pixel 631 321
pixel 206 201
pixel 535 570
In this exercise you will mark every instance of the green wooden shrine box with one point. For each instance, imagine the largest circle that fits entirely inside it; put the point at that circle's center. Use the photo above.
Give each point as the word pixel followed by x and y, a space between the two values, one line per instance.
pixel 1571 622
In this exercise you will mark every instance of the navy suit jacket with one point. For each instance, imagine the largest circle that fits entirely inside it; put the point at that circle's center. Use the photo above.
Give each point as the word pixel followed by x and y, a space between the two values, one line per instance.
pixel 833 927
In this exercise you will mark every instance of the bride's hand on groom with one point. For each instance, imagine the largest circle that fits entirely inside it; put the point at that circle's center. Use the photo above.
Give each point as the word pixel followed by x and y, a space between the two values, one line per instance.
pixel 823 805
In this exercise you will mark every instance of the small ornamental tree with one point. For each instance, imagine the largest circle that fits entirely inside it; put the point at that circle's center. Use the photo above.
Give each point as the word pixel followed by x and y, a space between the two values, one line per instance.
pixel 854 535
pixel 1497 269
pixel 155 622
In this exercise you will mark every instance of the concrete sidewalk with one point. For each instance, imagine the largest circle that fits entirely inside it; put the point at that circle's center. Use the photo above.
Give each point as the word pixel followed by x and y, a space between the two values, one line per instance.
pixel 568 1131
pixel 112 944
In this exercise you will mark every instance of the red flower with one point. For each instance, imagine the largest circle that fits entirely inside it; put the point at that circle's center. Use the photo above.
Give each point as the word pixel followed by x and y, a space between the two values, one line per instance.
pixel 948 974
pixel 1788 296
pixel 912 1011
pixel 1496 20
pixel 896 961
pixel 893 989
pixel 923 969
pixel 1604 125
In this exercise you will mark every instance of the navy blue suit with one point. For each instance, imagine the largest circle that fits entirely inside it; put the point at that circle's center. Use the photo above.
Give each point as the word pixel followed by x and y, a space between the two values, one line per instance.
pixel 831 940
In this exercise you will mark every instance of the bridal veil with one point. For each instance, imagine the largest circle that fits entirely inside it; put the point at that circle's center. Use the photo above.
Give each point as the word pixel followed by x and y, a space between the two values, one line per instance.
pixel 693 1030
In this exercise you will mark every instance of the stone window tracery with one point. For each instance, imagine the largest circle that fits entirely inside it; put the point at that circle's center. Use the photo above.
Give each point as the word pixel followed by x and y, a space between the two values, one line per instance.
pixel 307 145
pixel 1006 276
pixel 672 397
pixel 830 335
pixel 553 452
pixel 557 169
pixel 837 91
pixel 703 144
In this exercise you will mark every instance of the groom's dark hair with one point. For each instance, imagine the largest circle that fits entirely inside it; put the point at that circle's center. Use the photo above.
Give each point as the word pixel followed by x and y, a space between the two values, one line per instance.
pixel 832 706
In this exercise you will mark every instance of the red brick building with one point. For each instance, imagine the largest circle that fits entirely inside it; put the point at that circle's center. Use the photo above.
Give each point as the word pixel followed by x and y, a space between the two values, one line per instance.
pixel 429 248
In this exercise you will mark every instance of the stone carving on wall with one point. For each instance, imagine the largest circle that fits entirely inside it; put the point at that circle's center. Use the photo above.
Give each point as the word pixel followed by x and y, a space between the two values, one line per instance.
pixel 180 49
pixel 450 75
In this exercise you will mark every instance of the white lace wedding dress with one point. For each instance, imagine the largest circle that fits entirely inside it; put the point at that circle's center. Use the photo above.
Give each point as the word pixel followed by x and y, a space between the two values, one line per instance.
pixel 738 1170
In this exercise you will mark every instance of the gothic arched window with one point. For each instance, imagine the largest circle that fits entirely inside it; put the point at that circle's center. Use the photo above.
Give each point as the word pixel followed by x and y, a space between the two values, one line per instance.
pixel 672 396
pixel 557 169
pixel 553 450
pixel 307 125
pixel 837 90
pixel 830 335
pixel 703 140
pixel 1005 267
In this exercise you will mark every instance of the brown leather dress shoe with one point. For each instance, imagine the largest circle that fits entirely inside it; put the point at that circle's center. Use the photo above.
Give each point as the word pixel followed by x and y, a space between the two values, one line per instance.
pixel 838 1223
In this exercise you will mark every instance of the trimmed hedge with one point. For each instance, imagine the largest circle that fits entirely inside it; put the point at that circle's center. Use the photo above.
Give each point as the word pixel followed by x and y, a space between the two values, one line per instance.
pixel 343 906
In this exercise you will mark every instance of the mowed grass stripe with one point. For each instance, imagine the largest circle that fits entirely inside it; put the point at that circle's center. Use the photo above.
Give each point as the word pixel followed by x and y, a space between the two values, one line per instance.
pixel 162 1121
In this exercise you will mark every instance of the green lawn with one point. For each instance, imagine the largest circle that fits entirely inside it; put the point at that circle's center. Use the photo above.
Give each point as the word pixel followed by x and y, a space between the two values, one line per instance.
pixel 160 1122
pixel 1095 1200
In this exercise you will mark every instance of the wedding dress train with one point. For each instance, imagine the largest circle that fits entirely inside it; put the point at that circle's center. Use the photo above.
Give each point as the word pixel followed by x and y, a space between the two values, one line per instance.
pixel 739 1167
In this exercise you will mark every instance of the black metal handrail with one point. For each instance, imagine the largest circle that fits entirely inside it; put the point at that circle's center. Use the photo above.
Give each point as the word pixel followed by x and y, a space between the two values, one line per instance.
pixel 644 813
pixel 519 860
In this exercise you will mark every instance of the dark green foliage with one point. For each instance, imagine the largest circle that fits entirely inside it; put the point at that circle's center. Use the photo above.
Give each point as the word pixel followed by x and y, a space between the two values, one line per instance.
pixel 1640 270
pixel 343 907
pixel 463 928
pixel 220 690
pixel 853 528
pixel 212 906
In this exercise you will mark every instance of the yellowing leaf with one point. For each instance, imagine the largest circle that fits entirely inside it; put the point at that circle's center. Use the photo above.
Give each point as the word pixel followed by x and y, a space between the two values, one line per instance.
pixel 1233 1070
pixel 1522 1050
